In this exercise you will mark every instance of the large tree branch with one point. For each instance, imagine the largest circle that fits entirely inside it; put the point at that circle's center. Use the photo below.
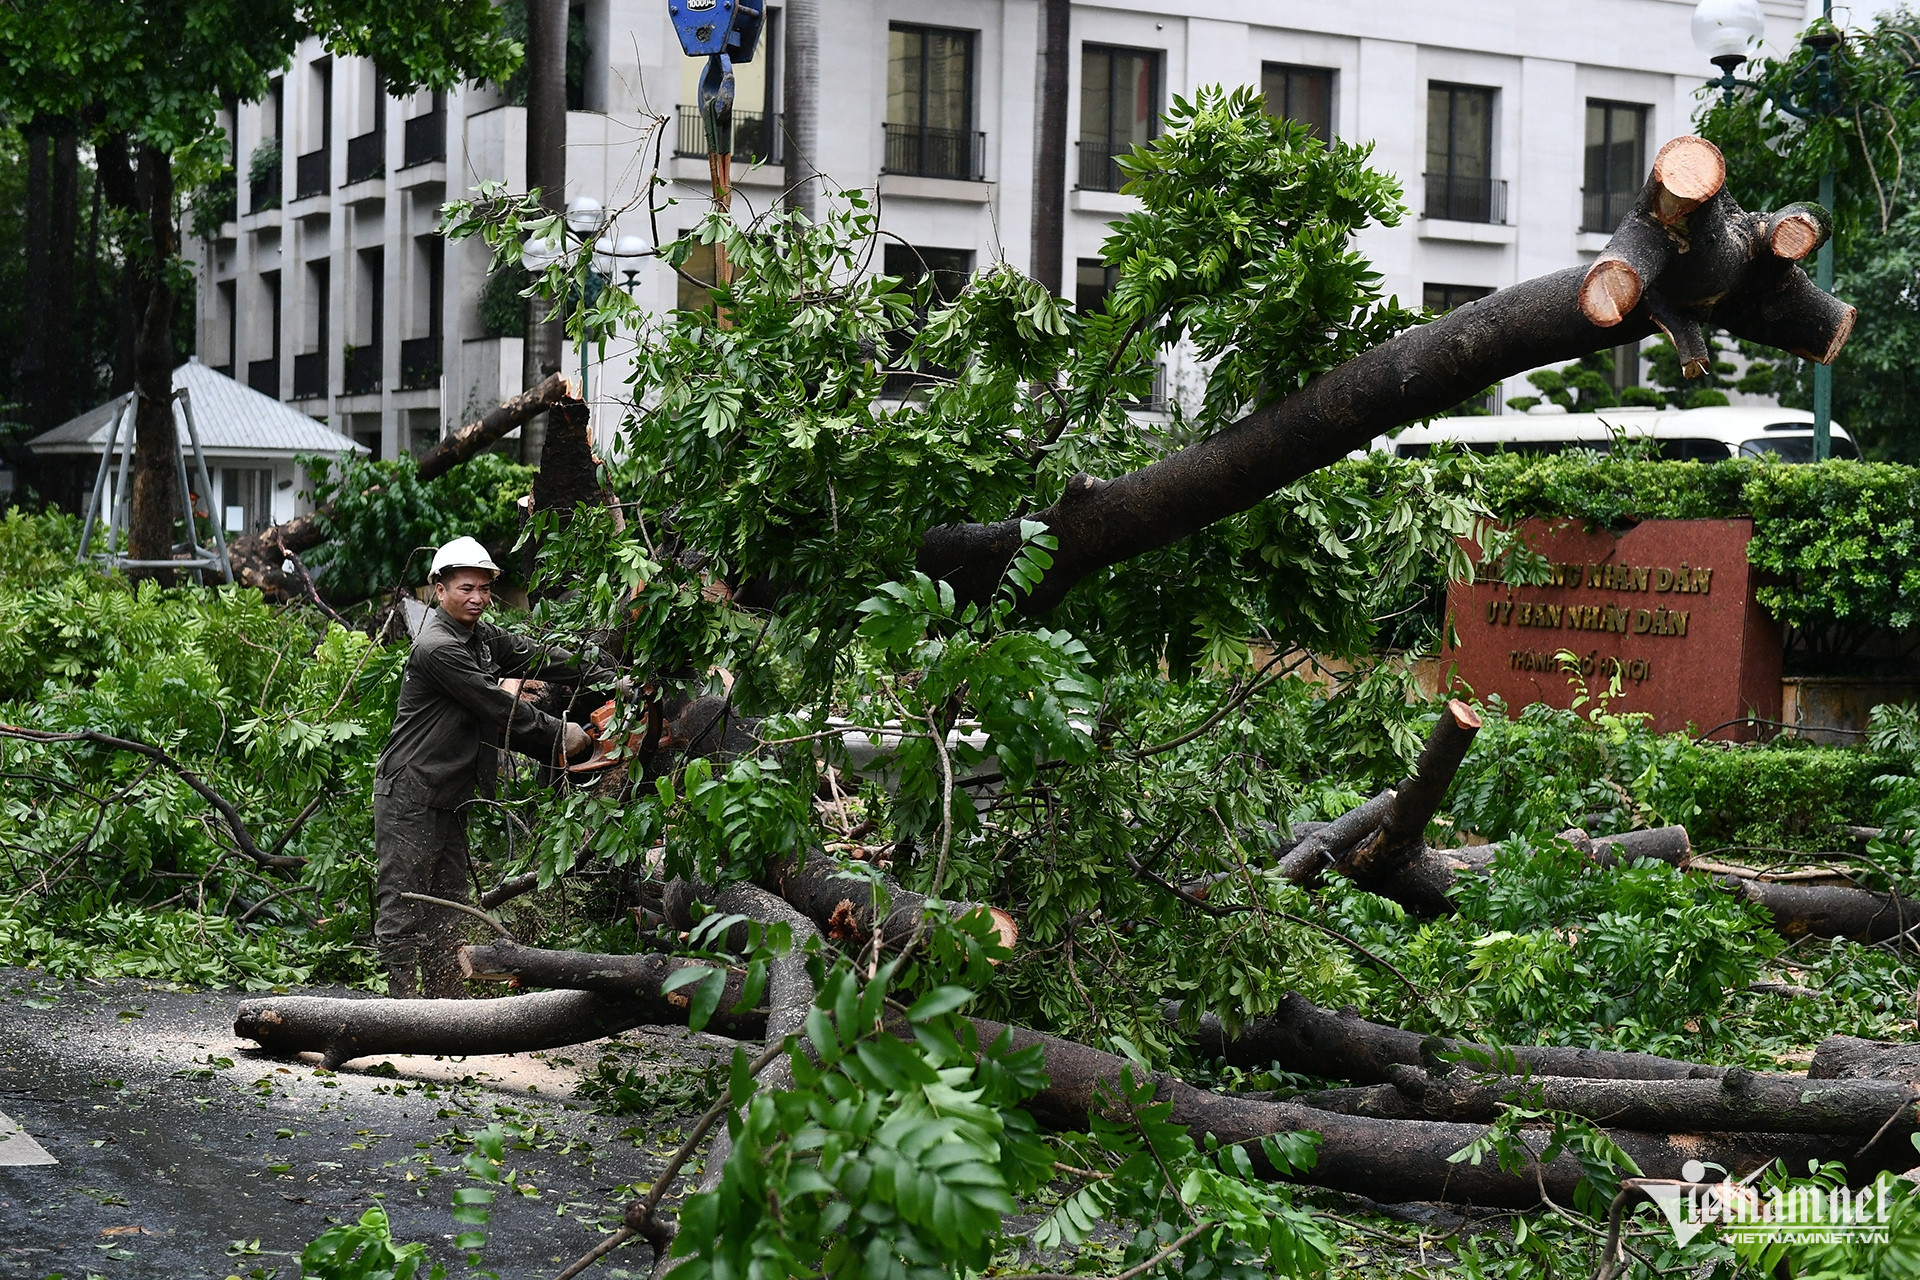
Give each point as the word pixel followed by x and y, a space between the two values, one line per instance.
pixel 1729 277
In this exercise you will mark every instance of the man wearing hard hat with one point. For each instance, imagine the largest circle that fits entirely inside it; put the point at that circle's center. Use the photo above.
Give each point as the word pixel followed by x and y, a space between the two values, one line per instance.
pixel 454 710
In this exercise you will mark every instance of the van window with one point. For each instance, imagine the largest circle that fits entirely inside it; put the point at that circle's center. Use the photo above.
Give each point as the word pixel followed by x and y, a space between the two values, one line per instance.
pixel 1697 450
pixel 1795 448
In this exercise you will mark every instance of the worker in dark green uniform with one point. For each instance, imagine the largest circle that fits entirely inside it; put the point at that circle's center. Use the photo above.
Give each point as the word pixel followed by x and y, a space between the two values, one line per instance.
pixel 455 710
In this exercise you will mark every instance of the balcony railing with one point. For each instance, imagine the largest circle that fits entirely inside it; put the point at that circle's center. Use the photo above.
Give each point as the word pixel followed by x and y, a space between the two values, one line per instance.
pixel 1099 166
pixel 265 193
pixel 420 363
pixel 426 139
pixel 363 370
pixel 756 136
pixel 310 173
pixel 310 376
pixel 934 153
pixel 264 376
pixel 1461 199
pixel 365 156
pixel 1603 210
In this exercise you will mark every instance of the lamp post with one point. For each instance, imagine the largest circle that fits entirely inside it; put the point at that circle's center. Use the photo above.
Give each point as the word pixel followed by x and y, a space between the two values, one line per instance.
pixel 1723 29
pixel 586 222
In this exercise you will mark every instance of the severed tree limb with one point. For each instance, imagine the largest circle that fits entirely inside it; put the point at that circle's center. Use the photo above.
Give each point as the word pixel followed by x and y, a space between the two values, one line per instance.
pixel 228 814
pixel 257 557
pixel 1739 1100
pixel 1828 910
pixel 1301 1036
pixel 1422 372
pixel 843 905
pixel 342 1030
pixel 1402 834
pixel 1319 848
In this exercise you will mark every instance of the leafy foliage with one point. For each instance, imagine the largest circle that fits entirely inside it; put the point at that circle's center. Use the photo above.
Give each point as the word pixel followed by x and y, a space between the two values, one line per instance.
pixel 383 522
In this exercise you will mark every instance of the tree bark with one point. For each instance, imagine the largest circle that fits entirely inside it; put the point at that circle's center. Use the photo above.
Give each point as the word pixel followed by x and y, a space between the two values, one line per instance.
pixel 1420 373
pixel 1829 911
pixel 36 230
pixel 608 975
pixel 1402 834
pixel 1050 145
pixel 257 557
pixel 547 171
pixel 800 104
pixel 156 444
pixel 1738 1101
pixel 1852 1058
pixel 60 386
pixel 113 161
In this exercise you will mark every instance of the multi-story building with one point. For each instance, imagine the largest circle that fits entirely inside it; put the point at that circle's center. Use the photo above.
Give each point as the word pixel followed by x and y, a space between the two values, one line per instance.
pixel 1519 131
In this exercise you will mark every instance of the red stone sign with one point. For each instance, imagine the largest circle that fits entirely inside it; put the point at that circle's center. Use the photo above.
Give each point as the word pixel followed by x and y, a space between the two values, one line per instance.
pixel 1667 607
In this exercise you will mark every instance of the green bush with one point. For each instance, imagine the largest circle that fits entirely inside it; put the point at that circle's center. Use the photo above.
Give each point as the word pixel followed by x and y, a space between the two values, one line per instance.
pixel 1785 795
pixel 383 522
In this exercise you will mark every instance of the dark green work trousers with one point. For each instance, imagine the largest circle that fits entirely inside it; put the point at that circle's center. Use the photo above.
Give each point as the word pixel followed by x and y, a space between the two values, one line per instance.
pixel 421 849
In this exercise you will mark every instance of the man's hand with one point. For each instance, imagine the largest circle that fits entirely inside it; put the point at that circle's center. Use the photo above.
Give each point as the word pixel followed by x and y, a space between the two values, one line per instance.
pixel 578 742
pixel 525 690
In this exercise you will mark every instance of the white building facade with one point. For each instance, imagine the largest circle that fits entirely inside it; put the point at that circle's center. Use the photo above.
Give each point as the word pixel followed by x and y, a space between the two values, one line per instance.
pixel 1517 129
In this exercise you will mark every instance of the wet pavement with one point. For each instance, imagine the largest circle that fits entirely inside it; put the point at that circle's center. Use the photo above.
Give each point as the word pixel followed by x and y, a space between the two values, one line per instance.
pixel 184 1152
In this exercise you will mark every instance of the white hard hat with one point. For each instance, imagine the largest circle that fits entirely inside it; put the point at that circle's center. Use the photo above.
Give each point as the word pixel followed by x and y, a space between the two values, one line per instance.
pixel 462 553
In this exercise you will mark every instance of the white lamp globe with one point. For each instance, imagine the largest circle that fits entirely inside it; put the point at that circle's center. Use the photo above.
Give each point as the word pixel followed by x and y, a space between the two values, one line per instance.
pixel 538 255
pixel 603 256
pixel 629 249
pixel 1726 28
pixel 584 214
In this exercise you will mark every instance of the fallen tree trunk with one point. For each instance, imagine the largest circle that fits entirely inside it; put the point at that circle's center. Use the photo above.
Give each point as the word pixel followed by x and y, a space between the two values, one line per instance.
pixel 1303 1037
pixel 1852 1058
pixel 1387 1158
pixel 1739 1100
pixel 341 1030
pixel 257 557
pixel 1687 256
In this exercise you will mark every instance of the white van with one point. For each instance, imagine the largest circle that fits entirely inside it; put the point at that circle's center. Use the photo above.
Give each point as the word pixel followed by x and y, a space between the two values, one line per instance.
pixel 1699 435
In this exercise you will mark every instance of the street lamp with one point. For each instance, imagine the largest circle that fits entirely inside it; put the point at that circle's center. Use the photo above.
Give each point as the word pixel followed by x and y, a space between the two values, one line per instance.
pixel 1723 29
pixel 586 222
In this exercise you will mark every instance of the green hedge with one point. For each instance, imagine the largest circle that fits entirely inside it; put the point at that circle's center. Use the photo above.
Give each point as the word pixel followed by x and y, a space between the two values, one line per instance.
pixel 1838 543
pixel 1784 795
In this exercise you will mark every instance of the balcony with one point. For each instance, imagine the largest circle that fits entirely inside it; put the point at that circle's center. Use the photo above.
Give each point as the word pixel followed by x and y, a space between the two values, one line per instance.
pixel 1455 198
pixel 756 137
pixel 1602 210
pixel 264 193
pixel 311 172
pixel 420 363
pixel 264 376
pixel 310 376
pixel 934 153
pixel 363 370
pixel 426 139
pixel 366 156
pixel 1100 165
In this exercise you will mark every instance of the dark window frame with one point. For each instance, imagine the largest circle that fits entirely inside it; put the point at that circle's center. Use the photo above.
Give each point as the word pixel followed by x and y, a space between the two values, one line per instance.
pixel 1602 208
pixel 951 269
pixel 1101 172
pixel 1328 76
pixel 1452 195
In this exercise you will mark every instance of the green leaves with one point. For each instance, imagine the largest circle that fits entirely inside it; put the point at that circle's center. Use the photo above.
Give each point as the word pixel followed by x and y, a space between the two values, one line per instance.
pixel 364 1250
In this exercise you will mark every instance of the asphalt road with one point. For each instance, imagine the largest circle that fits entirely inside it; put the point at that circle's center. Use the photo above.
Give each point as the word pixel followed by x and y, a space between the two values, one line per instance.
pixel 183 1152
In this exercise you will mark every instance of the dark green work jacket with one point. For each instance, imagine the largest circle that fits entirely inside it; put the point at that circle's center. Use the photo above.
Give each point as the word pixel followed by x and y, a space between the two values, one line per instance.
pixel 453 712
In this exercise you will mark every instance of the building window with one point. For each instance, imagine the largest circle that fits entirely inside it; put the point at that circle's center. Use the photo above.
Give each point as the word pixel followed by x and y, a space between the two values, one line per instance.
pixel 226 323
pixel 696 278
pixel 366 358
pixel 1460 182
pixel 1093 280
pixel 1616 163
pixel 264 375
pixel 246 499
pixel 950 269
pixel 1119 110
pixel 310 367
pixel 1440 299
pixel 1301 94
pixel 1626 367
pixel 929 126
